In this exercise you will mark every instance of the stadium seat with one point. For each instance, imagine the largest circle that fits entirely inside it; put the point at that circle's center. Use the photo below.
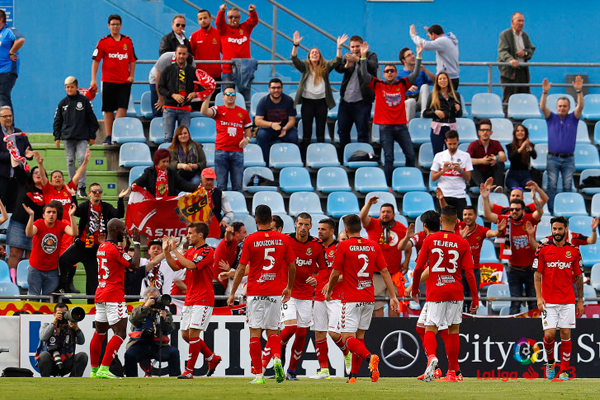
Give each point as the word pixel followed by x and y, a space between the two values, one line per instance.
pixel 432 185
pixel 581 224
pixel 253 156
pixel 569 204
pixel 408 179
pixel 538 130
pixel 416 203
pixel 305 202
pixel 370 179
pixel 213 242
pixel 591 108
pixel 553 98
pixel 420 130
pixel 597 133
pixel 559 184
pixel 353 133
pixel 488 252
pixel 333 179
pixel 156 134
pixel 499 291
pixel 583 136
pixel 425 158
pixel 203 130
pixel 283 155
pixel 590 254
pixel 342 203
pixel 384 197
pixel 375 136
pixel 131 112
pixel 523 106
pixel 503 129
pixel 298 107
pixel 248 221
pixel 542 153
pixel 595 277
pixel 22 274
pixel 495 198
pixel 128 130
pixel 295 179
pixel 166 146
pixel 333 113
pixel 319 155
pixel 288 222
pixel 135 154
pixel 467 132
pixel 595 208
pixel 237 201
pixel 349 151
pixel 401 218
pixel 135 173
pixel 399 157
pixel 272 199
pixel 528 200
pixel 209 152
pixel 589 291
pixel 265 172
pixel 543 228
pixel 363 231
pixel 313 137
pixel 4 272
pixel 146 106
pixel 586 156
pixel 8 289
pixel 486 105
pixel 254 102
pixel 239 100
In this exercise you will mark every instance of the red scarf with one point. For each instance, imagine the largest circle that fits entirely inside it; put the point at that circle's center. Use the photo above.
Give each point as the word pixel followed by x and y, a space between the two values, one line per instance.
pixel 162 184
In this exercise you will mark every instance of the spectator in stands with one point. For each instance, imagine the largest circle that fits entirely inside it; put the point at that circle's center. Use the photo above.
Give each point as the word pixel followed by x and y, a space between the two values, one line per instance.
pixel 452 167
pixel 156 99
pixel 487 156
pixel 419 91
pixel 314 90
pixel 11 41
pixel 517 193
pixel 206 46
pixel 175 38
pixel 275 118
pixel 118 70
pixel 443 106
pixel 161 180
pixel 390 110
pixel 158 274
pixel 233 135
pixel 177 86
pixel 515 48
pixel 356 98
pixel 445 46
pixel 562 133
pixel 76 124
pixel 226 258
pixel 222 210
pixel 187 156
pixel 235 44
pixel 277 223
pixel 520 153
pixel 93 215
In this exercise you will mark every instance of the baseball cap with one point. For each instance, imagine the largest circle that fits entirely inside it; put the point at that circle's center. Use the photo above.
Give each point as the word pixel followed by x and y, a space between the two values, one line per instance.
pixel 70 79
pixel 155 241
pixel 209 173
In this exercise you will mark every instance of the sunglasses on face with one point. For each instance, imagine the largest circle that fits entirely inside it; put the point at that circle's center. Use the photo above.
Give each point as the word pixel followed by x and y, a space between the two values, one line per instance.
pixel 389 71
pixel 97 191
pixel 484 130
pixel 230 94
pixel 515 209
pixel 180 25
pixel 517 187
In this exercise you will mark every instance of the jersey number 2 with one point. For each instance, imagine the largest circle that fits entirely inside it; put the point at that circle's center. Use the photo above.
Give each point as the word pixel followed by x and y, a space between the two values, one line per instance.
pixel 362 272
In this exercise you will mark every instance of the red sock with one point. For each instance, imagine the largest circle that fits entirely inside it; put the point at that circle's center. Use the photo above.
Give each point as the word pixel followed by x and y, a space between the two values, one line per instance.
pixel 421 332
pixel 298 348
pixel 430 344
pixel 194 351
pixel 565 354
pixel 443 334
pixel 206 352
pixel 96 349
pixel 452 350
pixel 321 346
pixel 342 345
pixel 357 346
pixel 549 347
pixel 356 362
pixel 287 333
pixel 112 348
pixel 274 344
pixel 255 353
pixel 266 354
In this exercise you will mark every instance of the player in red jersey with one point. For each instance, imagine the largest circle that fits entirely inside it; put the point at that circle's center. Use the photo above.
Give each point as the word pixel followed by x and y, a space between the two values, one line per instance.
pixel 446 254
pixel 111 310
pixel 199 296
pixel 555 264
pixel 265 254
pixel 357 259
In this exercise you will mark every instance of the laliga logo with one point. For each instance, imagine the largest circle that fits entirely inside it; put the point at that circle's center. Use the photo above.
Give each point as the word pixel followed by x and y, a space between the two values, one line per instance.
pixel 525 347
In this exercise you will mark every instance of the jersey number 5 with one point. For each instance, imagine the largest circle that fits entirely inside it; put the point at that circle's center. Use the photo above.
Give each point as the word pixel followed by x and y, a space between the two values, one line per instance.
pixel 102 269
pixel 453 258
pixel 270 258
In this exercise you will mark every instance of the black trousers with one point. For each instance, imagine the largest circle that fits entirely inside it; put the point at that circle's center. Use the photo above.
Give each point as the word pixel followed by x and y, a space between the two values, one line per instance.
pixel 459 204
pixel 521 76
pixel 77 252
pixel 145 353
pixel 74 365
pixel 313 111
pixel 497 172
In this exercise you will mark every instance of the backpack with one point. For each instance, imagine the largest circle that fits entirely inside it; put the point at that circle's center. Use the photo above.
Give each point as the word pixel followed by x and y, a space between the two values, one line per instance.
pixel 14 372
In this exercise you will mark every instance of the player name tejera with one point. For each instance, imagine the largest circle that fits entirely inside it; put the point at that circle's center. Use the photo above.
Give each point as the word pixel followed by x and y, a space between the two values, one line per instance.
pixel 263 243
pixel 440 243
pixel 361 248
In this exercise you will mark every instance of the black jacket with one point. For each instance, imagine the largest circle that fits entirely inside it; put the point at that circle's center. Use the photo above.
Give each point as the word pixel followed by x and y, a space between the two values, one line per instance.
pixel 176 183
pixel 169 83
pixel 169 42
pixel 447 106
pixel 74 119
pixel 108 213
pixel 22 144
pixel 372 65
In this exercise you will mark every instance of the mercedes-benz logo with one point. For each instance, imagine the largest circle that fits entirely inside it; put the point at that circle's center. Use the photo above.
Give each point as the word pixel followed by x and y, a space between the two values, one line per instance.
pixel 400 350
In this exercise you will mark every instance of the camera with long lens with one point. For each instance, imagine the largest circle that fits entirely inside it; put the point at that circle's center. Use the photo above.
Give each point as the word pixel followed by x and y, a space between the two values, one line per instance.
pixel 55 353
pixel 161 301
pixel 75 314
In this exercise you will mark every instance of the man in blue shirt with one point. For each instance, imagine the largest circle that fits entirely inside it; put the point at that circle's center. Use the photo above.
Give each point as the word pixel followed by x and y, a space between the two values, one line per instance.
pixel 11 41
pixel 562 133
pixel 416 97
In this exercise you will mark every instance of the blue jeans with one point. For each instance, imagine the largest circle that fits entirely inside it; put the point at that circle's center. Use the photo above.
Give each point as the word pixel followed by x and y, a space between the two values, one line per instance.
pixel 229 164
pixel 517 178
pixel 172 115
pixel 267 136
pixel 74 147
pixel 438 141
pixel 142 352
pixel 153 100
pixel 353 113
pixel 566 166
pixel 467 289
pixel 7 82
pixel 41 282
pixel 516 280
pixel 399 133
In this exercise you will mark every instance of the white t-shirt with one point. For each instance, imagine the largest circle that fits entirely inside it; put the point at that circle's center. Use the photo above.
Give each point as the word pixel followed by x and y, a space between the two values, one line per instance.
pixel 451 182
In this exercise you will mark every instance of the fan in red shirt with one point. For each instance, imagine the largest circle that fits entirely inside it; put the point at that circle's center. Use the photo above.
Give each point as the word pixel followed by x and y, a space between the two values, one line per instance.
pixel 357 259
pixel 226 257
pixel 555 264
pixel 111 310
pixel 199 296
pixel 446 254
pixel 266 253
pixel 517 193
pixel 206 45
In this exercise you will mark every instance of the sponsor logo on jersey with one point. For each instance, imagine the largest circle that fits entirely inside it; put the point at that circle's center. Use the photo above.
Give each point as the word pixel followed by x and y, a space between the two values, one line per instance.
pixel 239 41
pixel 559 265
pixel 300 262
pixel 118 56
pixel 364 284
pixel 266 277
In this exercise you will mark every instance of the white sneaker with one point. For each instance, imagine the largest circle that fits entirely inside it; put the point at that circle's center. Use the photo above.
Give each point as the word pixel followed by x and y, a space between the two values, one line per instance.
pixel 322 374
pixel 430 371
pixel 348 363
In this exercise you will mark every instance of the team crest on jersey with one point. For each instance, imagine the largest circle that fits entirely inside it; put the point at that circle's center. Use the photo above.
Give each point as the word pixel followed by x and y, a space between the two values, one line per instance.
pixel 49 243
pixel 568 254
pixel 445 236
pixel 241 31
pixel 125 46
pixel 214 40
pixel 79 106
pixel 267 234
pixel 331 253
pixel 478 238
pixel 240 115
pixel 308 251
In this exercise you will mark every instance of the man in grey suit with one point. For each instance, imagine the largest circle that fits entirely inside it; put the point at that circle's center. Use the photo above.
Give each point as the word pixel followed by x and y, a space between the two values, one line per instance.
pixel 515 47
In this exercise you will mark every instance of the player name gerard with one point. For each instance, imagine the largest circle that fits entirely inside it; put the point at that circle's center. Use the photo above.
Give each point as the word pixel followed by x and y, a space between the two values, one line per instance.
pixel 361 248
pixel 443 243
pixel 263 243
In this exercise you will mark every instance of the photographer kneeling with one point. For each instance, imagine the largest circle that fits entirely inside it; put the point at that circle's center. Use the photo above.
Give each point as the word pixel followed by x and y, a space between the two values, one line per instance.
pixel 149 321
pixel 56 353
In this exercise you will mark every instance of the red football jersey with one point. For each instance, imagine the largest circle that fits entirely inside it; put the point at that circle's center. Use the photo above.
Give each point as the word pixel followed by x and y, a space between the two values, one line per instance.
pixel 388 241
pixel 63 196
pixel 310 258
pixel 226 251
pixel 575 239
pixel 324 273
pixel 446 254
pixel 558 265
pixel 46 245
pixel 357 259
pixel 522 253
pixel 389 101
pixel 417 240
pixel 199 290
pixel 235 43
pixel 206 45
pixel 475 239
pixel 112 261
pixel 231 123
pixel 267 254
pixel 116 57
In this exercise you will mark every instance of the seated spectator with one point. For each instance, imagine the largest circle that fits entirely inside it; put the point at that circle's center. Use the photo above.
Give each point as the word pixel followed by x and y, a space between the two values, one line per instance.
pixel 520 153
pixel 487 156
pixel 227 255
pixel 419 91
pixel 275 118
pixel 187 156
pixel 175 38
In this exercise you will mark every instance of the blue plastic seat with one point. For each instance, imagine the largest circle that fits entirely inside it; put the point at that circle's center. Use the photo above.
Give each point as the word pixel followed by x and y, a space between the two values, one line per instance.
pixel 342 203
pixel 399 157
pixel 8 289
pixel 523 106
pixel 237 201
pixel 370 179
pixel 586 156
pixel 295 179
pixel 569 204
pixel 288 222
pixel 528 200
pixel 408 179
pixel 254 102
pixel 486 105
pixel 209 152
pixel 538 130
pixel 432 185
pixel 416 203
pixel 586 173
pixel 542 153
pixel 253 156
pixel 333 113
pixel 271 199
pixel 4 272
pixel 500 291
pixel 590 254
pixel 595 212
pixel 239 100
pixel 591 108
pixel 503 129
pixel 463 106
pixel 488 252
pixel 203 130
pixel 22 274
pixel 265 172
pixel 305 202
pixel 128 130
pixel 164 146
pixel 319 155
pixel 135 173
pixel 375 136
pixel 581 224
pixel 283 155
pixel 333 179
pixel 313 137
pixel 351 148
pixel 589 291
pixel 248 221
pixel 425 158
pixel 543 229
pixel 597 133
pixel 384 197
pixel 595 277
pixel 134 154
pixel 553 98
pixel 213 242
pixel 583 135
pixel 363 231
pixel 420 130
pixel 401 218
pixel 131 112
pixel 156 134
pixel 353 133
pixel 495 198
pixel 146 105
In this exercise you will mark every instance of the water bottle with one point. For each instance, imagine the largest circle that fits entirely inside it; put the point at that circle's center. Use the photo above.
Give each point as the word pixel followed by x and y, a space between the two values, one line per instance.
pixel 255 180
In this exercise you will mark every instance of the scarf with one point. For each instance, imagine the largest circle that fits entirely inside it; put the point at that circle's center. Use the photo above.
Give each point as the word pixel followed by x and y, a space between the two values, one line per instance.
pixel 95 227
pixel 385 235
pixel 191 156
pixel 162 184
